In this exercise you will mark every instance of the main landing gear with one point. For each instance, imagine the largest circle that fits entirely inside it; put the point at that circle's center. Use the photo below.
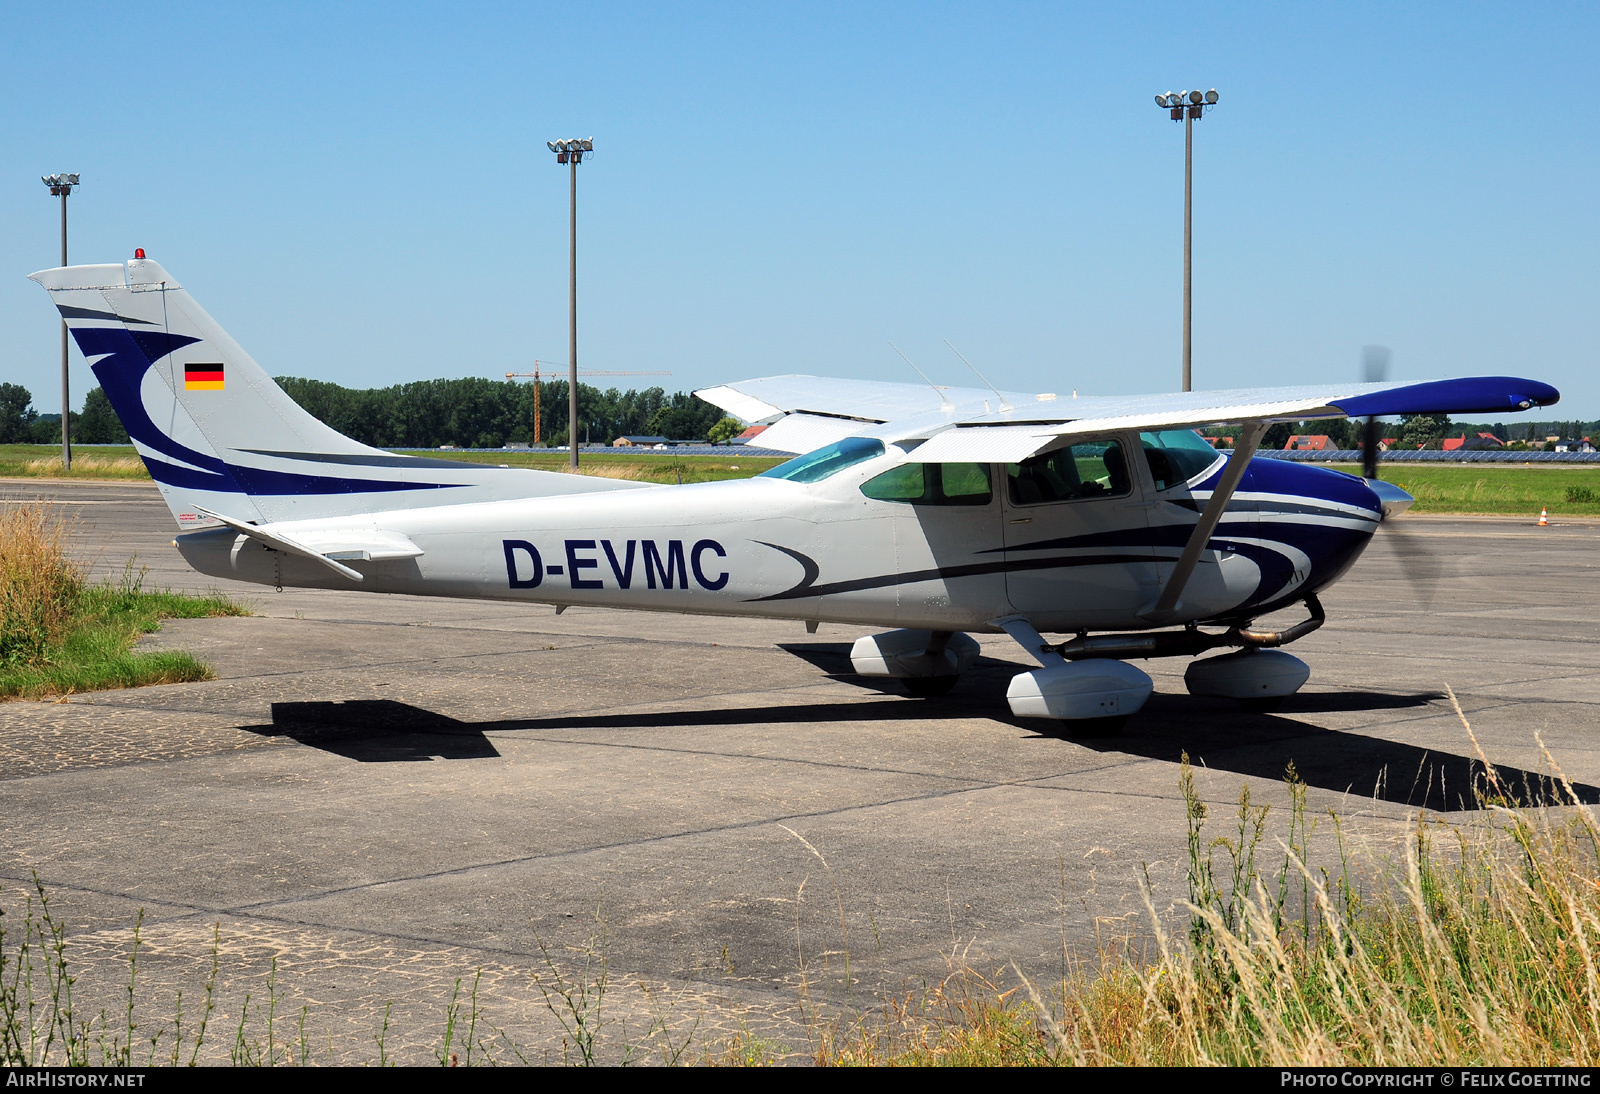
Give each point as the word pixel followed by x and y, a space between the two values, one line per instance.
pixel 1086 682
pixel 927 662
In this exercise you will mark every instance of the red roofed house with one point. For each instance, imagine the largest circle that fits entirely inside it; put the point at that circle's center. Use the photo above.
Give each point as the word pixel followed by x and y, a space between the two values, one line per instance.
pixel 1473 444
pixel 1315 442
pixel 749 435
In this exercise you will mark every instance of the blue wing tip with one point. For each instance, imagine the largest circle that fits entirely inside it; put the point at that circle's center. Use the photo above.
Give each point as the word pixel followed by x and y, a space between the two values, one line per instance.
pixel 1468 395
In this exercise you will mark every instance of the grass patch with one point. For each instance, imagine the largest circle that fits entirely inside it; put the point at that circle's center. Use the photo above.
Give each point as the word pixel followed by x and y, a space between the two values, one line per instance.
pixel 60 635
pixel 121 462
pixel 42 461
pixel 1498 490
pixel 662 467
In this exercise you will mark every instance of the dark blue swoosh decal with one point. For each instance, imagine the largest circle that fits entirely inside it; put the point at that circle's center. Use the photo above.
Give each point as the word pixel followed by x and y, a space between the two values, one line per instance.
pixel 69 312
pixel 121 370
pixel 125 356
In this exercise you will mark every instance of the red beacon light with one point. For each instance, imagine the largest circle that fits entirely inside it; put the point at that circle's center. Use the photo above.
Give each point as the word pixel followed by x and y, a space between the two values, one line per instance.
pixel 138 252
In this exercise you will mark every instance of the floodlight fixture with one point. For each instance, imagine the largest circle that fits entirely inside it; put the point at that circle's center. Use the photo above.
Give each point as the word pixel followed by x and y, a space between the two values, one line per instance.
pixel 1196 97
pixel 1212 97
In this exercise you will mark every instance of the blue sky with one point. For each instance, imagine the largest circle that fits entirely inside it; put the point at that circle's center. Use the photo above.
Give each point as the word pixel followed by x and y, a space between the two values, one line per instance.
pixel 363 194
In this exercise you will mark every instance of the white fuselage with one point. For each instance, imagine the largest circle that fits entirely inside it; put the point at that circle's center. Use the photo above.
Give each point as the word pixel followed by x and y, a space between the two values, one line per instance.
pixel 781 549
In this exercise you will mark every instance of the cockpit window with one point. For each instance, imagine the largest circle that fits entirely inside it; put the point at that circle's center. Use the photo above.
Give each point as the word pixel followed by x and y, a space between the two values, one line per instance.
pixel 1176 456
pixel 932 484
pixel 1093 469
pixel 828 460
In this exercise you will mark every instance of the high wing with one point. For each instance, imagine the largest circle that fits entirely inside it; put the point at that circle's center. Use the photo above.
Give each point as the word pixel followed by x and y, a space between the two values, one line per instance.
pixel 976 425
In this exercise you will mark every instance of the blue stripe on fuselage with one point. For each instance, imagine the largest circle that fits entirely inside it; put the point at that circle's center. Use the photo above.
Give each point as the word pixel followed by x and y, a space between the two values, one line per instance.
pixel 1332 548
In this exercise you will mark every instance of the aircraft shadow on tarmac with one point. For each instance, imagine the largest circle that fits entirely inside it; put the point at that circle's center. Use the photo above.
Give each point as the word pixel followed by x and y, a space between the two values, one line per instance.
pixel 1223 736
pixel 1216 734
pixel 377 731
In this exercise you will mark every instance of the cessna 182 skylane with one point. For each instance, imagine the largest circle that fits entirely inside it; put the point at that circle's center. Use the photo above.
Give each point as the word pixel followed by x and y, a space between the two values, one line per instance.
pixel 928 511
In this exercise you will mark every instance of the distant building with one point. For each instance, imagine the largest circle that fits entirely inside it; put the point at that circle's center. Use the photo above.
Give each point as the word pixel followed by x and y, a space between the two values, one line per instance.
pixel 1312 442
pixel 749 435
pixel 634 441
pixel 1582 445
pixel 1221 442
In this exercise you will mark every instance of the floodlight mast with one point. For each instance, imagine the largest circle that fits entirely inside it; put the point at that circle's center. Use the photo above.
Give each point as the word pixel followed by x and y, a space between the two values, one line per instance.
pixel 61 186
pixel 1187 107
pixel 571 152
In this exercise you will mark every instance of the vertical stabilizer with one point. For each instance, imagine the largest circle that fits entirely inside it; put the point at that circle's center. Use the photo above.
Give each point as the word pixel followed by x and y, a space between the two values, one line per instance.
pixel 218 434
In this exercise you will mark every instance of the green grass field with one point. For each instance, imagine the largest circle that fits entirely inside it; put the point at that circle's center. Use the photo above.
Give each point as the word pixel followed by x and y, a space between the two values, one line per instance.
pixel 1495 489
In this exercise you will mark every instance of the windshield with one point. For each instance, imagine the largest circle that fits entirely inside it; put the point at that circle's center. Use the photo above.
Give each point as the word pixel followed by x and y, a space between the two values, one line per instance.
pixel 829 460
pixel 1176 455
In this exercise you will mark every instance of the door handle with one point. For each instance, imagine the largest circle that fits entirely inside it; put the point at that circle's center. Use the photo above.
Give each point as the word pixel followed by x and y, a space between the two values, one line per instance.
pixel 1021 520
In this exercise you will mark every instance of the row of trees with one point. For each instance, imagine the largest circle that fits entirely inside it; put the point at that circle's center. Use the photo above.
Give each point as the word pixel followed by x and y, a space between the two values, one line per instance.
pixel 21 424
pixel 476 413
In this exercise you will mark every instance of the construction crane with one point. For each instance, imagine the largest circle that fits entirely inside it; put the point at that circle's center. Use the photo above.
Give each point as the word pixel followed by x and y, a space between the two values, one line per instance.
pixel 537 437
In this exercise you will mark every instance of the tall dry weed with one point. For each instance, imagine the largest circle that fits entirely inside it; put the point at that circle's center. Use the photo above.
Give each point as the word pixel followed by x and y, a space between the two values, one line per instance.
pixel 39 583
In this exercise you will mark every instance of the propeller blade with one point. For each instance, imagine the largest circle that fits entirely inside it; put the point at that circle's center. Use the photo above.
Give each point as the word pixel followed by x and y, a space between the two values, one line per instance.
pixel 1421 564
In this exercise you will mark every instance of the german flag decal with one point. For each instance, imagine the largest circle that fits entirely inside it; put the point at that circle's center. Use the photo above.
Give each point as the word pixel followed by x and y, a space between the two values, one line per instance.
pixel 202 377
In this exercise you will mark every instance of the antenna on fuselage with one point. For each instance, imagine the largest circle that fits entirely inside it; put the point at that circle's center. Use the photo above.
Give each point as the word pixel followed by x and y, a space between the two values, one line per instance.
pixel 945 405
pixel 1005 407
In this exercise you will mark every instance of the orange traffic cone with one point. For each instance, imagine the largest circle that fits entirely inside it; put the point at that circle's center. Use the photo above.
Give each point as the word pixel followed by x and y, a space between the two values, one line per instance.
pixel 1544 518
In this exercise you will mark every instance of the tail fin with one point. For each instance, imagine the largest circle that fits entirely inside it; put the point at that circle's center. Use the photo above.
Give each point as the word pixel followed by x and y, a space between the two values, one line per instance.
pixel 218 434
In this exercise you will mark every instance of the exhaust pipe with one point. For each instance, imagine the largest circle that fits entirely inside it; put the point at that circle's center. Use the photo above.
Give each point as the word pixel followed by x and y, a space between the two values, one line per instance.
pixel 1188 642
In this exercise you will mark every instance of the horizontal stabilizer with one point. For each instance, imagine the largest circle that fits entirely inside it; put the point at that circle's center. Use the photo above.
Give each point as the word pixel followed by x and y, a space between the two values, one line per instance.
pixel 329 546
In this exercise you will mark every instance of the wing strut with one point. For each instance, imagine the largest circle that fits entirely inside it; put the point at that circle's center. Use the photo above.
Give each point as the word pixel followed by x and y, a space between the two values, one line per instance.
pixel 1221 494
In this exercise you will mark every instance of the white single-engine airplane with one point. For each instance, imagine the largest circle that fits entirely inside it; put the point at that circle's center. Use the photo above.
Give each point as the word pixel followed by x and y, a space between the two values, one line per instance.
pixel 929 511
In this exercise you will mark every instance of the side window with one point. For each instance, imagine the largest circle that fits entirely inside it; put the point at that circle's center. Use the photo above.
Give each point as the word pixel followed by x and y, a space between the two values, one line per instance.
pixel 908 482
pixel 932 484
pixel 1093 469
pixel 965 483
